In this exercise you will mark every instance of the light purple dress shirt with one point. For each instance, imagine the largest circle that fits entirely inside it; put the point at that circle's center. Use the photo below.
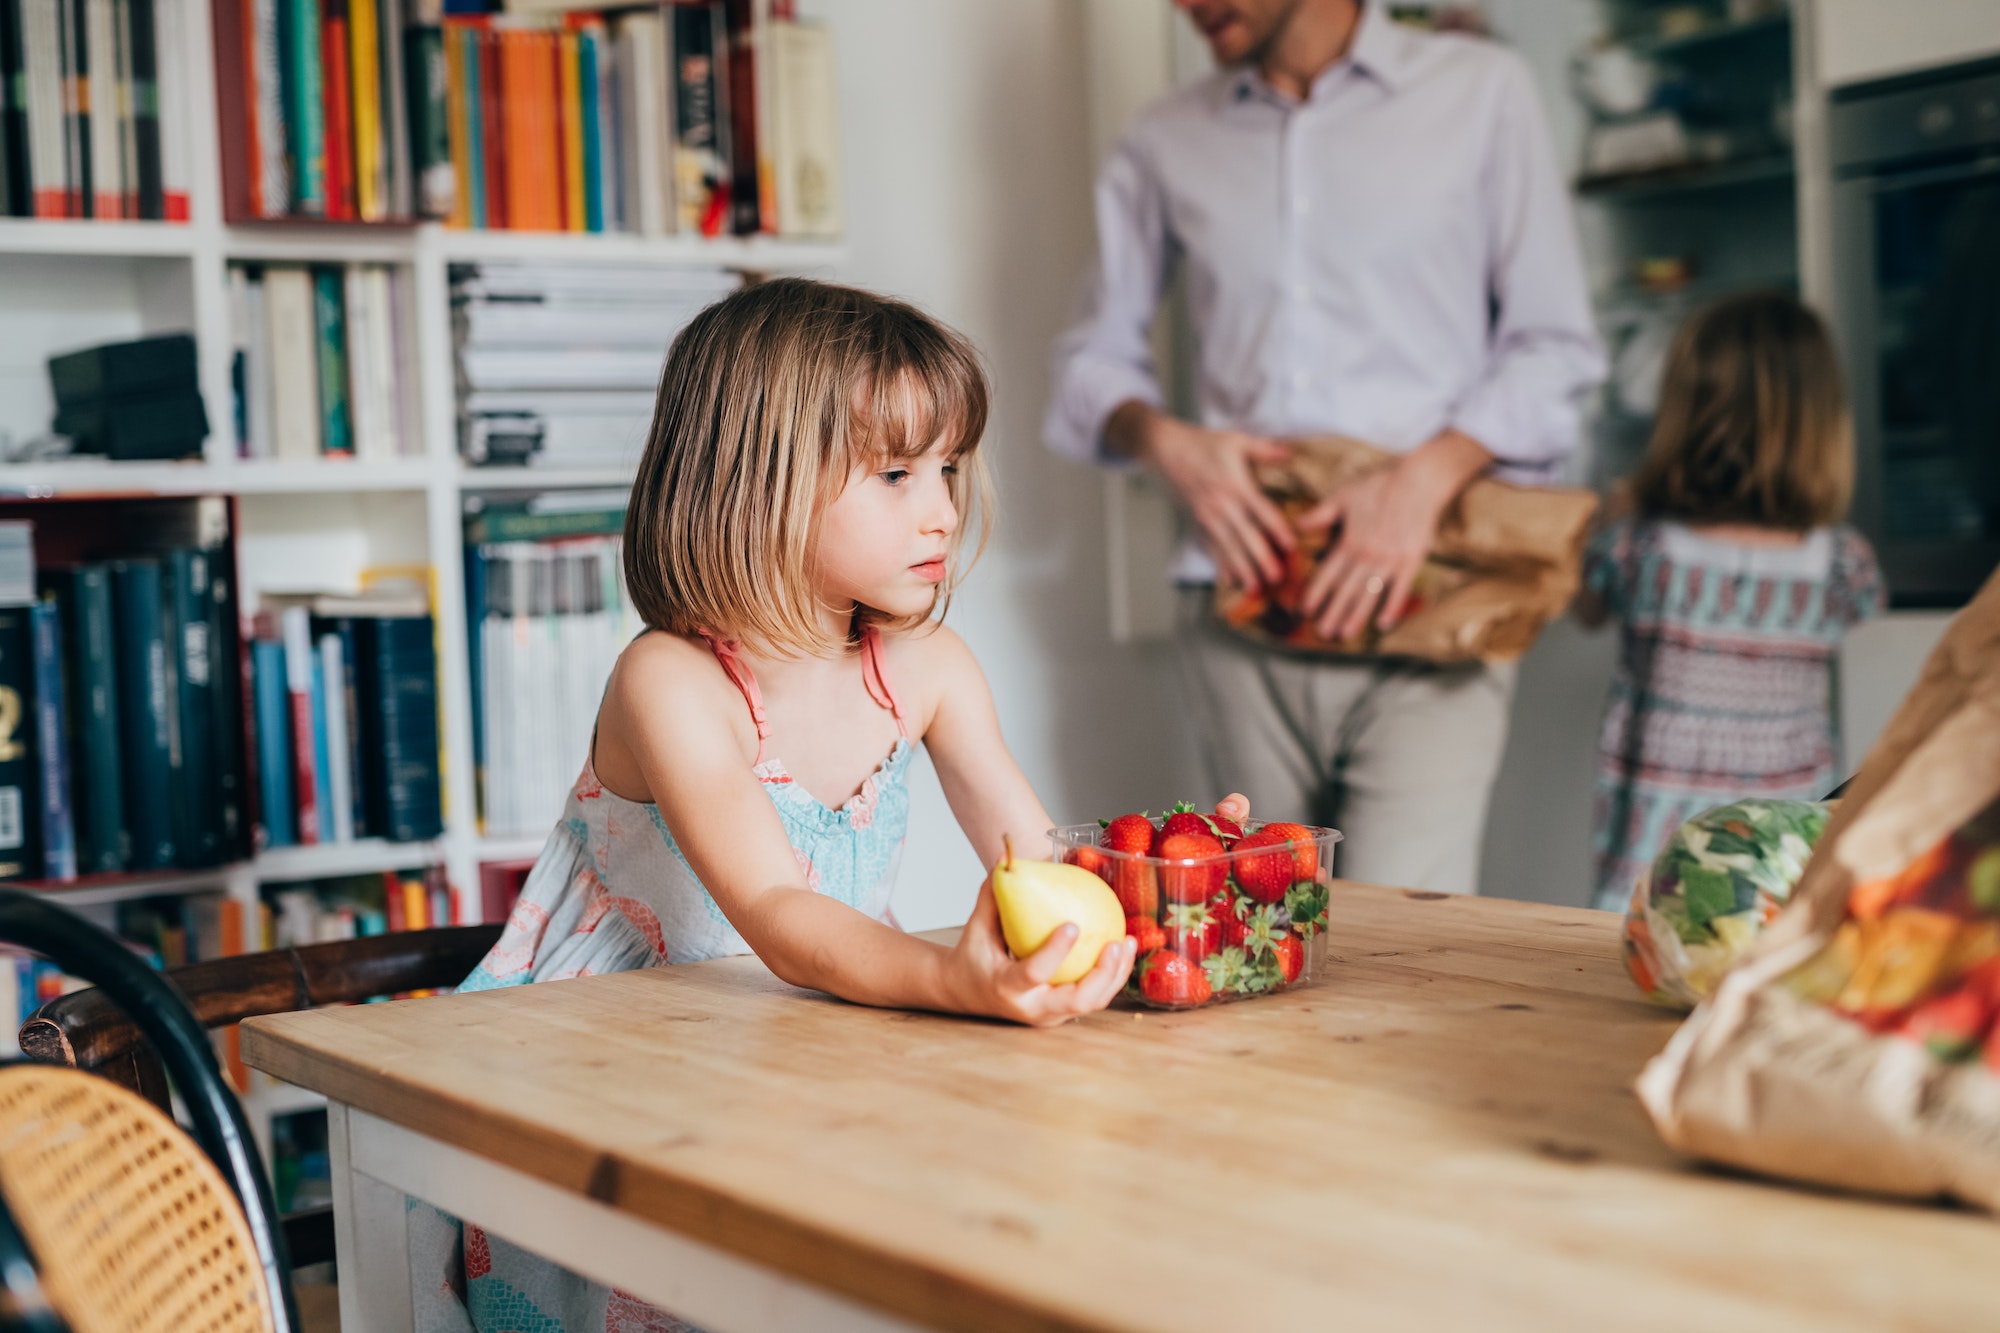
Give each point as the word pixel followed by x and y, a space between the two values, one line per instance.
pixel 1389 258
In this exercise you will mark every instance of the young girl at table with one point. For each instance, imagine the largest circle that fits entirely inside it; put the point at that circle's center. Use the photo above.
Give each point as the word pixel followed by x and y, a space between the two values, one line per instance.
pixel 794 532
pixel 1732 581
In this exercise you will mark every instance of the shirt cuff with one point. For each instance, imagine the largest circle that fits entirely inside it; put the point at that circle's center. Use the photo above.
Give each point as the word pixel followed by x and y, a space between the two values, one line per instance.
pixel 1075 428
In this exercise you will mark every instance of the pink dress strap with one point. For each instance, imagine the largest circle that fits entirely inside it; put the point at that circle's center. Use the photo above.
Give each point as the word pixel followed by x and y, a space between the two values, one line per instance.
pixel 876 678
pixel 725 653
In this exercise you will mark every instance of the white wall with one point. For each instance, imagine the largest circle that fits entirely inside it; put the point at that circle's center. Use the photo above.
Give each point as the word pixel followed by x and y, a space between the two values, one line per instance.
pixel 968 177
pixel 1872 39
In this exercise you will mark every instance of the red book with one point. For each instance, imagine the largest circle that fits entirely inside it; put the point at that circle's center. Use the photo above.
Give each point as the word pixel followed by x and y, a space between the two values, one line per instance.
pixel 392 901
pixel 492 127
pixel 337 91
pixel 297 622
pixel 499 886
pixel 236 125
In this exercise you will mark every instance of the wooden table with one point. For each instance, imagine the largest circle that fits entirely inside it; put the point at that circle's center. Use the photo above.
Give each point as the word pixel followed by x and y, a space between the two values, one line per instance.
pixel 1439 1133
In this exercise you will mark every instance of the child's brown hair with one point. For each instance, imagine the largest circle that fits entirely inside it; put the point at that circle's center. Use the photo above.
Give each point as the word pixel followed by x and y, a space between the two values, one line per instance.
pixel 1753 425
pixel 769 401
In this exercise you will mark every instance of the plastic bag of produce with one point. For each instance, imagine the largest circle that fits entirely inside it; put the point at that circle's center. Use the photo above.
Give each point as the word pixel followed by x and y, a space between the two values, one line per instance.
pixel 1507 560
pixel 1719 879
pixel 1858 1043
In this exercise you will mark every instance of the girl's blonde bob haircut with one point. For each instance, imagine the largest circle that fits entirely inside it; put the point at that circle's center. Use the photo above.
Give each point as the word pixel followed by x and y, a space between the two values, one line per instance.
pixel 1753 427
pixel 770 401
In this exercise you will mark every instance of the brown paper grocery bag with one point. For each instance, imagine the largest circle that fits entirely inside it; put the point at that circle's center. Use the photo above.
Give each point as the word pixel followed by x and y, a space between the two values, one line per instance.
pixel 1858 1043
pixel 1506 561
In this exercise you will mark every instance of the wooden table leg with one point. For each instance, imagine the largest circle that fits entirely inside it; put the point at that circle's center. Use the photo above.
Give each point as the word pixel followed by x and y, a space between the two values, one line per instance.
pixel 375 1160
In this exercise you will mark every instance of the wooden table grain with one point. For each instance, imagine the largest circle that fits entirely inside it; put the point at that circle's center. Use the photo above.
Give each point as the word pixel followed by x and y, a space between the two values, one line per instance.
pixel 1439 1132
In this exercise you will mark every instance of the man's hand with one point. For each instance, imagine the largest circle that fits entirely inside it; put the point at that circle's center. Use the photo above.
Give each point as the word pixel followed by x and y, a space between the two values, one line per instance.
pixel 1247 534
pixel 1387 520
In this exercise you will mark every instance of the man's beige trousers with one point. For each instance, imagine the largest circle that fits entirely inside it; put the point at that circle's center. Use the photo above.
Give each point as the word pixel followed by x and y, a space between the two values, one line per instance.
pixel 1399 756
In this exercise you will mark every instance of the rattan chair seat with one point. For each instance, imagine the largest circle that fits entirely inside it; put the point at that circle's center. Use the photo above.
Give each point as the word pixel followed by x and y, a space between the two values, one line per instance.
pixel 132 1227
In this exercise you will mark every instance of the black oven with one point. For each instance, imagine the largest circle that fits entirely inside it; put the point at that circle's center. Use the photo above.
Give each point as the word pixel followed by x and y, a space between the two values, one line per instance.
pixel 1916 165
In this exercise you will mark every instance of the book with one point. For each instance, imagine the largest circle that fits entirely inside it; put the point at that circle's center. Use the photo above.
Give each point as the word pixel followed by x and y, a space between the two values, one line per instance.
pixel 394 117
pixel 749 196
pixel 91 655
pixel 200 838
pixel 701 153
pixel 336 92
pixel 371 158
pixel 170 35
pixel 397 658
pixel 52 743
pixel 79 195
pixel 437 145
pixel 20 788
pixel 272 691
pixel 271 138
pixel 42 95
pixel 805 129
pixel 296 622
pixel 569 118
pixel 333 695
pixel 295 369
pixel 148 184
pixel 145 714
pixel 228 665
pixel 16 166
pixel 639 55
pixel 99 97
pixel 301 76
pixel 492 137
pixel 259 412
pixel 336 422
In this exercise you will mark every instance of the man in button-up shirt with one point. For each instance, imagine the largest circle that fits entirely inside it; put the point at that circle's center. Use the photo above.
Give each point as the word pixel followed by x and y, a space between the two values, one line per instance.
pixel 1377 244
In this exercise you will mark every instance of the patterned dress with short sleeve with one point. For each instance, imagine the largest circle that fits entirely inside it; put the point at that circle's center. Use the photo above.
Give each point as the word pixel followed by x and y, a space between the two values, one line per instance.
pixel 1724 682
pixel 612 891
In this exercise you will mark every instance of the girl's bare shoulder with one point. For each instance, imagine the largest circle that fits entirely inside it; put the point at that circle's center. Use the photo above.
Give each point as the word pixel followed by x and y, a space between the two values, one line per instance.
pixel 927 664
pixel 665 672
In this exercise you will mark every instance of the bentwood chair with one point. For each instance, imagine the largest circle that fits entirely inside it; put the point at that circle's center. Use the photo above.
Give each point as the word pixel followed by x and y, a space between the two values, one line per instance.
pixel 117 1219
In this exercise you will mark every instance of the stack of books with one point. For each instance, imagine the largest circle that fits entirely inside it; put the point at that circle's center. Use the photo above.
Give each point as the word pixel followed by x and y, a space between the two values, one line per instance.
pixel 354 906
pixel 548 614
pixel 557 364
pixel 93 109
pixel 346 709
pixel 119 659
pixel 323 361
pixel 698 118
pixel 331 109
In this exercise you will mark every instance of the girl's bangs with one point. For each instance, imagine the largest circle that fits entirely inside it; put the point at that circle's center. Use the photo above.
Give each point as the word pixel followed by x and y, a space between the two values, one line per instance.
pixel 916 400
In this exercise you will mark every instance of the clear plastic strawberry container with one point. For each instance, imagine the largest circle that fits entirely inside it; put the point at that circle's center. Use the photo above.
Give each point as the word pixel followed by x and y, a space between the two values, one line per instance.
pixel 1249 920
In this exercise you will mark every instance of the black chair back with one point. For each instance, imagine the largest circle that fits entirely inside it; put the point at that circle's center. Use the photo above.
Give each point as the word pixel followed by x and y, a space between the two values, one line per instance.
pixel 215 1117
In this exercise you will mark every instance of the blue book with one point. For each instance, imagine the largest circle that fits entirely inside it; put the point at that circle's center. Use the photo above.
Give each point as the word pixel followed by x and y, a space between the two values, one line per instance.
pixel 20 778
pixel 475 142
pixel 322 765
pixel 145 716
pixel 593 133
pixel 398 666
pixel 274 742
pixel 51 733
pixel 97 768
pixel 199 831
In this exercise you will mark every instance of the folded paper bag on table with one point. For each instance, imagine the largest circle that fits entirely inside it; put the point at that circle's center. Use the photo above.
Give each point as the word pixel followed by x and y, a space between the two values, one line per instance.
pixel 1858 1042
pixel 1506 561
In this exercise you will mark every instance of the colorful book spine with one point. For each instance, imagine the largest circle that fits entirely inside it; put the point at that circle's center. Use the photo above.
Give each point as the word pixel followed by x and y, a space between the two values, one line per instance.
pixel 305 106
pixel 20 788
pixel 148 185
pixel 322 765
pixel 371 164
pixel 297 623
pixel 458 131
pixel 590 111
pixel 492 136
pixel 332 726
pixel 272 691
pixel 78 195
pixel 270 138
pixel 41 37
pixel 336 416
pixel 170 33
pixel 337 92
pixel 436 138
pixel 52 742
pixel 188 592
pixel 569 121
pixel 145 712
pixel 104 842
pixel 398 657
pixel 15 141
pixel 227 665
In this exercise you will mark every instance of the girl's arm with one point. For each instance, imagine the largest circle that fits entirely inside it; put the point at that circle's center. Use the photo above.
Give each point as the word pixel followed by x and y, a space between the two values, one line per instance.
pixel 674 712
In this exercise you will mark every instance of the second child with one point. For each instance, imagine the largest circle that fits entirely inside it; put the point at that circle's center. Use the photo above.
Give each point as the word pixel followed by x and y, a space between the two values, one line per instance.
pixel 1732 581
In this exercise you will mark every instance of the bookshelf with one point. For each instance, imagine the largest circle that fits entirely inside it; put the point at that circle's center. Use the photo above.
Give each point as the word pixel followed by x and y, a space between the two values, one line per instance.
pixel 71 283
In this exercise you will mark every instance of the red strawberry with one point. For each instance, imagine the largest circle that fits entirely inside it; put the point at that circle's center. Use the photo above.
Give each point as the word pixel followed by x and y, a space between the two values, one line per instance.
pixel 1146 932
pixel 1096 862
pixel 1181 819
pixel 1228 908
pixel 1167 978
pixel 1128 833
pixel 1196 883
pixel 1225 828
pixel 1305 852
pixel 1291 959
pixel 1263 876
pixel 1137 885
pixel 1192 930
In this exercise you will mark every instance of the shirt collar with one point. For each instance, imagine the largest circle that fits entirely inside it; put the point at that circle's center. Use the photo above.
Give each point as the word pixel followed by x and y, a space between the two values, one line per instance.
pixel 1378 51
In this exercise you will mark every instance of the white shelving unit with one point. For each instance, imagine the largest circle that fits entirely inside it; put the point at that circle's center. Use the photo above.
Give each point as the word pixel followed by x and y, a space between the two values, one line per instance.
pixel 65 285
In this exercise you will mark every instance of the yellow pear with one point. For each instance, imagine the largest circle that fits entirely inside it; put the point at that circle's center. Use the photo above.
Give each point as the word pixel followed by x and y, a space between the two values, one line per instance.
pixel 1037 897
